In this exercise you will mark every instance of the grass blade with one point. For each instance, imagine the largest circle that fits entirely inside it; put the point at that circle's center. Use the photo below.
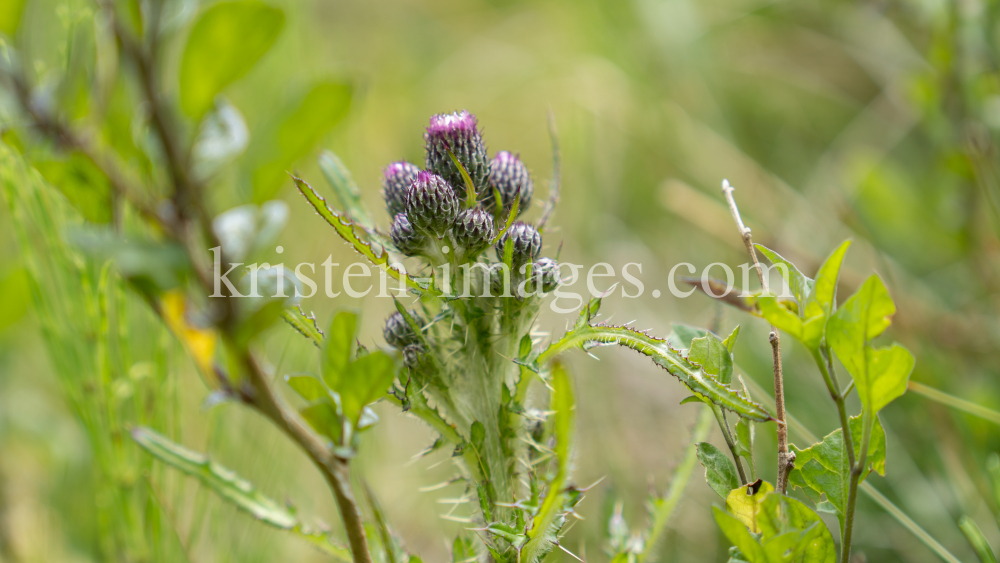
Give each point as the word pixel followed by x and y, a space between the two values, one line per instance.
pixel 968 407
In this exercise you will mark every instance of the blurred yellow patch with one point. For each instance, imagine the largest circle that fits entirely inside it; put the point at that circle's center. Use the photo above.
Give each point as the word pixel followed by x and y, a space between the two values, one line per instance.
pixel 744 503
pixel 200 342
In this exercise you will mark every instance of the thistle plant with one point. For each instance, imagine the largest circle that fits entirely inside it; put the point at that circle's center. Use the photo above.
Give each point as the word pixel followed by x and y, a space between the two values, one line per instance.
pixel 462 351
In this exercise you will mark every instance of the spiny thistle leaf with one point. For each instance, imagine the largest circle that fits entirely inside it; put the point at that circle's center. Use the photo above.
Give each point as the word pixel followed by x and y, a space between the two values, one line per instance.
pixel 663 355
pixel 304 325
pixel 345 228
pixel 234 489
pixel 540 538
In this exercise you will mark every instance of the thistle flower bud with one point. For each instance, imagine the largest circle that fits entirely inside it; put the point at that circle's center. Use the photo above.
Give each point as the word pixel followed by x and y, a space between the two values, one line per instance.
pixel 398 332
pixel 431 205
pixel 507 175
pixel 413 355
pixel 474 230
pixel 527 243
pixel 406 239
pixel 459 132
pixel 546 271
pixel 396 179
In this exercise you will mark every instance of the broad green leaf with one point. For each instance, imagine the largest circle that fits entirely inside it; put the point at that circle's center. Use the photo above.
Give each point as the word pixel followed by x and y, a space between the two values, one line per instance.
pixel 744 503
pixel 825 289
pixel 686 334
pixel 823 469
pixel 780 515
pixel 808 331
pixel 338 348
pixel 230 486
pixel 799 284
pixel 563 406
pixel 322 108
pixel 324 418
pixel 664 356
pixel 720 473
pixel 738 534
pixel 83 184
pixel 224 44
pixel 367 379
pixel 713 356
pixel 880 374
pixel 10 16
pixel 307 386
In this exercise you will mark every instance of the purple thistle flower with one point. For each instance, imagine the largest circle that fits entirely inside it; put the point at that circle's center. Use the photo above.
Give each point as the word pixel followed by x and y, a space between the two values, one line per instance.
pixel 459 132
pixel 396 179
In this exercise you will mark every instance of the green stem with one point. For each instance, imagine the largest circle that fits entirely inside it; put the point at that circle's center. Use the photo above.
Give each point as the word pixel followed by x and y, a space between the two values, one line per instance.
pixel 852 496
pixel 720 416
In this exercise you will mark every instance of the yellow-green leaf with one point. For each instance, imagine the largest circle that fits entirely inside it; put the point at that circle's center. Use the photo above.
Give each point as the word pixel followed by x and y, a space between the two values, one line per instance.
pixel 744 503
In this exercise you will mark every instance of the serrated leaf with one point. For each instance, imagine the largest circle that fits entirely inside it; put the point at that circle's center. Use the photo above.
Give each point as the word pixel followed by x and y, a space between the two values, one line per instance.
pixel 880 374
pixel 744 503
pixel 304 325
pixel 664 356
pixel 713 356
pixel 823 468
pixel 720 473
pixel 338 348
pixel 224 44
pixel 231 487
pixel 345 228
pixel 800 286
pixel 564 407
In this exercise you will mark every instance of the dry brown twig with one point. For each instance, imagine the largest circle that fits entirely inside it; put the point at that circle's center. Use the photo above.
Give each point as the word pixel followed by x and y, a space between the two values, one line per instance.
pixel 786 459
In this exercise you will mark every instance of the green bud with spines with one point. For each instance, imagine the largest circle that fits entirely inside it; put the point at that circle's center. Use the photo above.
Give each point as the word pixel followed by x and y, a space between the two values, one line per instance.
pixel 526 242
pixel 431 205
pixel 473 230
pixel 509 176
pixel 404 237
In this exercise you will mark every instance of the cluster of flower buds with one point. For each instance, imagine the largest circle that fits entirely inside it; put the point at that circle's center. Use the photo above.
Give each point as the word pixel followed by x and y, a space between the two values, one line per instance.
pixel 399 334
pixel 430 209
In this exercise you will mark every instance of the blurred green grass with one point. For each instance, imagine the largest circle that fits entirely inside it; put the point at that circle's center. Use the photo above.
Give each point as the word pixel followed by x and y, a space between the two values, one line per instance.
pixel 833 119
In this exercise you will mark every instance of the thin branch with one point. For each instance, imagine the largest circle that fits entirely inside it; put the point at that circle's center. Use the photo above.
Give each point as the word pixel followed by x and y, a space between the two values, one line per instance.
pixel 786 459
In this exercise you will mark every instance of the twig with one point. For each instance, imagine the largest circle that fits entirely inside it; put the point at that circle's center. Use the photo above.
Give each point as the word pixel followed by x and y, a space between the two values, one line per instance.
pixel 786 459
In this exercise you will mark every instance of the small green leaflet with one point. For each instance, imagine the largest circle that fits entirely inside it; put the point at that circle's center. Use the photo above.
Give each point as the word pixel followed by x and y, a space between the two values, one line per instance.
pixel 800 286
pixel 789 533
pixel 720 473
pixel 713 356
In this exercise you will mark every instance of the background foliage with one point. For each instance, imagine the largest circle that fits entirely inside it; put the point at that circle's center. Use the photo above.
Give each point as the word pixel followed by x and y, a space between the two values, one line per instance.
pixel 870 120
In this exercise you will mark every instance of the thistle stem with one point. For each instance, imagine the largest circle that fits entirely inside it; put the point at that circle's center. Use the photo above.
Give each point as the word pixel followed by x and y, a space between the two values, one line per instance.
pixel 786 459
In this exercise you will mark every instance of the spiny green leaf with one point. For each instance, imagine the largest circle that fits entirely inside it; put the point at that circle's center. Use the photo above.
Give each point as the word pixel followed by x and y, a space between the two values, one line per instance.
pixel 234 489
pixel 562 403
pixel 880 374
pixel 664 356
pixel 799 284
pixel 304 325
pixel 224 44
pixel 720 473
pixel 345 228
